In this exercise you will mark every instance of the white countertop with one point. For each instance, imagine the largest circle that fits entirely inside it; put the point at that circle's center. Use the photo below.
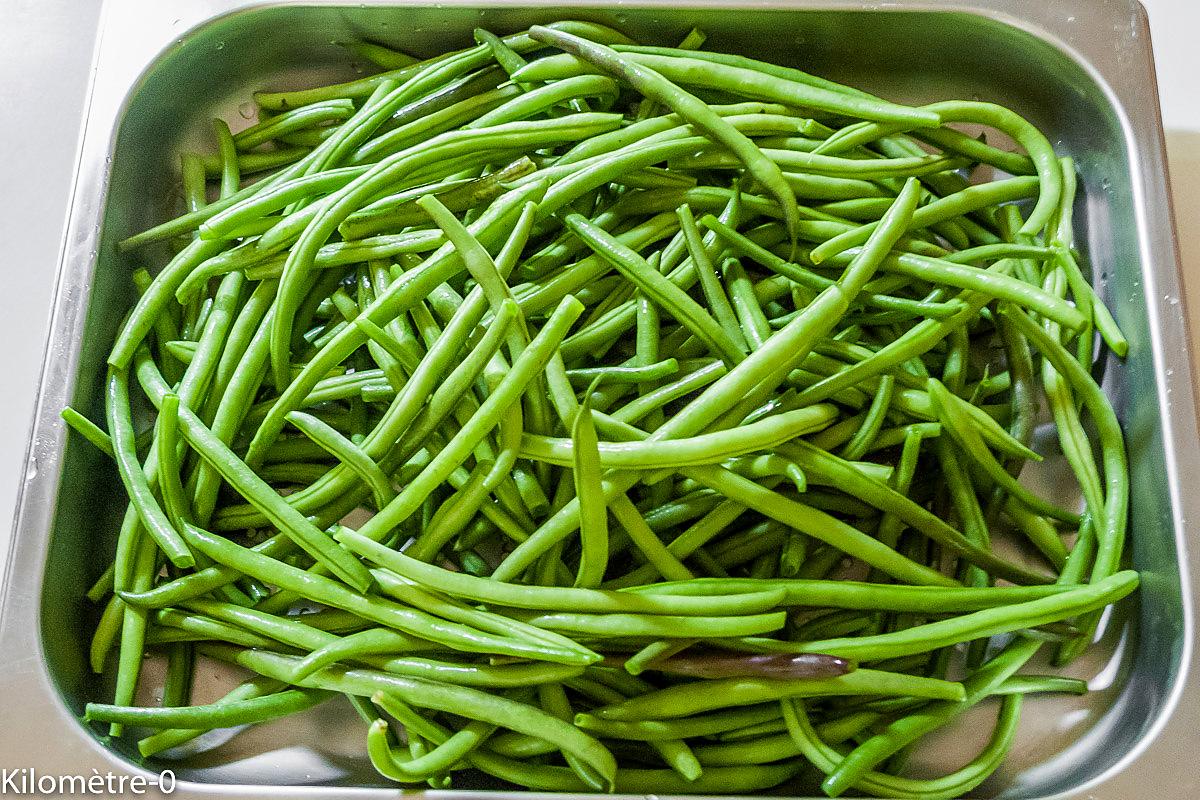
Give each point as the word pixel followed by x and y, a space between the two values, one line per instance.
pixel 46 51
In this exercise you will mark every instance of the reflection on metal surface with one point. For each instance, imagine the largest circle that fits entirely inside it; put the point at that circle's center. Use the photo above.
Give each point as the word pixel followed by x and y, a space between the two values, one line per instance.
pixel 1108 676
pixel 1080 69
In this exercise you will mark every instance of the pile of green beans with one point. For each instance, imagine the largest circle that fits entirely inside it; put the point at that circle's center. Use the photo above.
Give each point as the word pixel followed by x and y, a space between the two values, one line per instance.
pixel 561 395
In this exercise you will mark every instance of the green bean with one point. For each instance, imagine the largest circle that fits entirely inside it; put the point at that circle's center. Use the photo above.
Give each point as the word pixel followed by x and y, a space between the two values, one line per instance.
pixel 593 508
pixel 793 342
pixel 438 761
pixel 658 288
pixel 177 505
pixel 750 317
pixel 430 694
pixel 753 250
pixel 133 628
pixel 985 282
pixel 394 300
pixel 231 176
pixel 647 541
pixel 815 461
pixel 396 211
pixel 861 442
pixel 233 469
pixel 808 742
pixel 348 199
pixel 88 430
pixel 1101 316
pixel 531 360
pixel 136 481
pixel 550 597
pixel 379 55
pixel 741 77
pixel 171 738
pixel 216 715
pixel 183 351
pixel 542 98
pixel 499 624
pixel 418 745
pixel 1040 533
pixel 907 729
pixel 660 625
pixel 192 169
pixel 833 166
pixel 432 123
pixel 180 626
pixel 702 264
pixel 295 120
pixel 362 87
pixel 455 513
pixel 405 408
pixel 824 527
pixel 544 294
pixel 679 728
pixel 294 631
pixel 108 628
pixel 275 198
pixel 1073 440
pixel 505 56
pixel 654 86
pixel 650 654
pixel 376 646
pixel 1111 540
pixel 247 164
pixel 693 698
pixel 152 303
pixel 969 199
pixel 864 596
pixel 979 623
pixel 944 138
pixel 639 781
pixel 351 647
pixel 387 99
pixel 951 417
pixel 347 453
pixel 708 448
pixel 639 374
pixel 383 611
pixel 675 752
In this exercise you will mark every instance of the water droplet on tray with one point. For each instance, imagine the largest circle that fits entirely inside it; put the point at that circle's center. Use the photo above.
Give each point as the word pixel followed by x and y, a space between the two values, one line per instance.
pixel 31 469
pixel 247 110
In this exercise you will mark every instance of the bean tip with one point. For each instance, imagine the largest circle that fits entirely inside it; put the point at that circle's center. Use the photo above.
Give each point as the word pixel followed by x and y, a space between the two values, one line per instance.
pixel 183 561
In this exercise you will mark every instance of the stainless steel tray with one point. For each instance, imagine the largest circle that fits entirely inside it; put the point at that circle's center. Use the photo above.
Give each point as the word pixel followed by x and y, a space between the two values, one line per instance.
pixel 1080 69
